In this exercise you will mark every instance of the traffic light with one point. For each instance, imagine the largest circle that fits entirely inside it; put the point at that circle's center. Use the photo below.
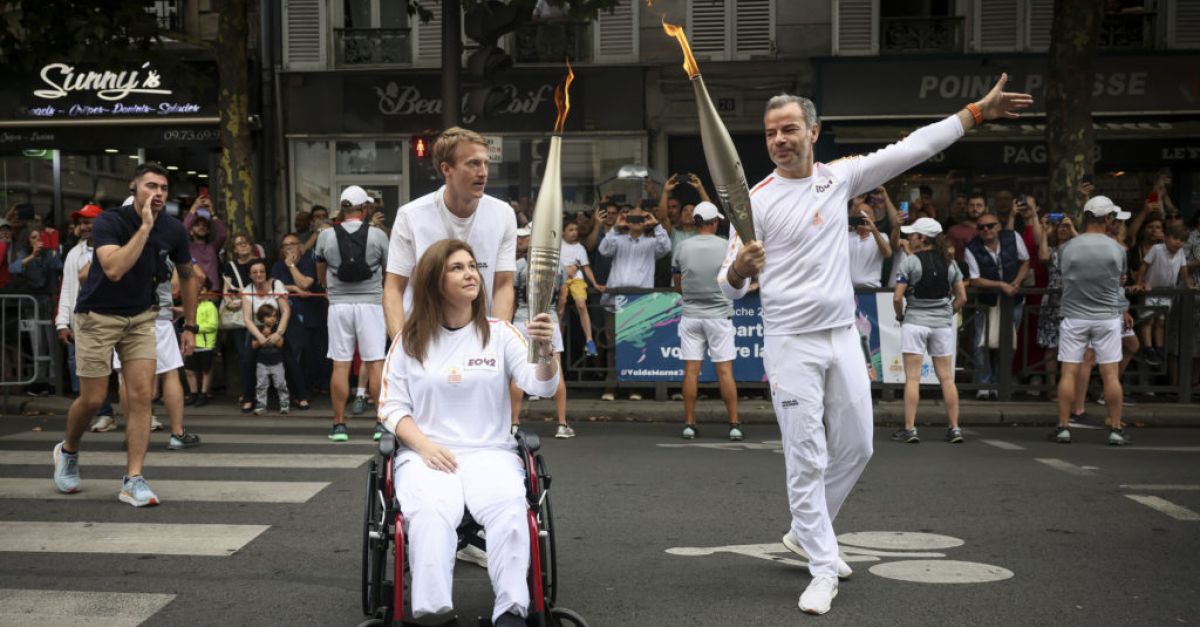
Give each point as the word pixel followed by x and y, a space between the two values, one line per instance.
pixel 420 147
pixel 487 66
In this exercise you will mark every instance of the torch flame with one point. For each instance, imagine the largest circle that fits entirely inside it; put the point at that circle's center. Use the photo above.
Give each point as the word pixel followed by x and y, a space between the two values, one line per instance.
pixel 562 99
pixel 689 62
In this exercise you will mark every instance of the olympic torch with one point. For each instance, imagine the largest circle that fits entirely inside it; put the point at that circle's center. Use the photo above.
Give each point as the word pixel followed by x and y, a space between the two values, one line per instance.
pixel 545 242
pixel 723 162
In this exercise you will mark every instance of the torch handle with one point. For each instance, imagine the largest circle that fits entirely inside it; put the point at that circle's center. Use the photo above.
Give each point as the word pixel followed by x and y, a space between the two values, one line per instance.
pixel 735 197
pixel 543 274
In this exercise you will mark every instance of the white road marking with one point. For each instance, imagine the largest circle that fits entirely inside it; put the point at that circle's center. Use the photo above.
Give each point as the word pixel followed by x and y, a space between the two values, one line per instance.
pixel 941 571
pixel 729 446
pixel 190 459
pixel 1161 449
pixel 167 490
pixel 1178 512
pixel 63 608
pixel 899 540
pixel 1001 444
pixel 159 440
pixel 1065 466
pixel 1161 487
pixel 126 538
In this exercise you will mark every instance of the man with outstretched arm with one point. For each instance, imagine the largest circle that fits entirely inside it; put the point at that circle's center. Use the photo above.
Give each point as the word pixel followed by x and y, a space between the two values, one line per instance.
pixel 819 386
pixel 116 310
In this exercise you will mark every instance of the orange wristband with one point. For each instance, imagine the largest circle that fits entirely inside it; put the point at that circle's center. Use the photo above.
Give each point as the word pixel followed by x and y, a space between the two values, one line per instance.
pixel 976 114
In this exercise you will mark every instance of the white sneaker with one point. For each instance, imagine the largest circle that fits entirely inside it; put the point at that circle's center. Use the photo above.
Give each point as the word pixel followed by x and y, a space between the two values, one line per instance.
pixel 843 569
pixel 608 396
pixel 564 432
pixel 473 555
pixel 635 396
pixel 735 433
pixel 155 425
pixel 818 596
pixel 104 423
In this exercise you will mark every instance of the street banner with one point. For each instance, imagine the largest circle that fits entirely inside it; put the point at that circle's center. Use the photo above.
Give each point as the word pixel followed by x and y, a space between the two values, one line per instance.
pixel 889 347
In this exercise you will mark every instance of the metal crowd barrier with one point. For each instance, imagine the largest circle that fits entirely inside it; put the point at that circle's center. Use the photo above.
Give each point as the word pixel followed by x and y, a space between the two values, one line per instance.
pixel 26 346
pixel 1020 367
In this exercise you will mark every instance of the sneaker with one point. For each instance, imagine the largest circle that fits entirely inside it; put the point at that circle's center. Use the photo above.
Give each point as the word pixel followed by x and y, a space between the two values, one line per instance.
pixel 690 432
pixel 981 395
pixel 608 396
pixel 1083 421
pixel 260 410
pixel 954 435
pixel 379 431
pixel 339 433
pixel 818 596
pixel 284 409
pixel 677 397
pixel 735 432
pixel 1150 356
pixel 514 429
pixel 1119 437
pixel 473 555
pixel 66 470
pixel 358 406
pixel 104 423
pixel 1062 435
pixel 843 569
pixel 136 492
pixel 590 349
pixel 155 425
pixel 190 399
pixel 187 440
pixel 564 432
pixel 634 396
pixel 908 436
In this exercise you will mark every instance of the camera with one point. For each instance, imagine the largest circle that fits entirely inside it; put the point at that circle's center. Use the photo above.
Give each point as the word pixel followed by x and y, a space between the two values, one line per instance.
pixel 635 219
pixel 857 221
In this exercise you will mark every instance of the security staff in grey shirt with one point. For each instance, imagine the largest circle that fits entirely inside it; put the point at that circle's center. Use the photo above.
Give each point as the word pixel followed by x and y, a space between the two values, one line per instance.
pixel 1093 310
pixel 707 316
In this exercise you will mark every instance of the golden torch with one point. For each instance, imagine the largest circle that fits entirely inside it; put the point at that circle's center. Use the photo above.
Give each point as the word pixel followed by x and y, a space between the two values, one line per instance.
pixel 723 162
pixel 545 242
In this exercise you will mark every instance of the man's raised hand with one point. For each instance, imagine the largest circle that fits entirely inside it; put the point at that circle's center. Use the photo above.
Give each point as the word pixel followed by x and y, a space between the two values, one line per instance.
pixel 1003 104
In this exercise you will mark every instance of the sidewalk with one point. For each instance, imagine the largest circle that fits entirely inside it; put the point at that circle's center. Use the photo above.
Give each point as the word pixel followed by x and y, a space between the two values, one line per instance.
pixel 758 411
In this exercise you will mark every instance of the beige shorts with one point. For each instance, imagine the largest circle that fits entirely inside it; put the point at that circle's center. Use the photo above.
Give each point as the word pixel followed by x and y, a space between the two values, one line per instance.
pixel 97 335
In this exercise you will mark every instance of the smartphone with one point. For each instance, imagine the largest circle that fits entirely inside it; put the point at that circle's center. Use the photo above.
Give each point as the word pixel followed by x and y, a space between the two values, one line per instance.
pixel 1152 197
pixel 603 213
pixel 50 239
pixel 203 191
pixel 903 210
pixel 1055 218
pixel 637 219
pixel 857 221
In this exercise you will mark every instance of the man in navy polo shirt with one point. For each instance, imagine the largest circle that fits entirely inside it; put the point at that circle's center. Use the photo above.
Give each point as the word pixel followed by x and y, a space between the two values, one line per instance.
pixel 116 310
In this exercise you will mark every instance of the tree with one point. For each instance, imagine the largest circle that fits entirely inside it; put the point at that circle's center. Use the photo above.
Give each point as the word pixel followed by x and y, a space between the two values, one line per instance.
pixel 1069 133
pixel 75 31
pixel 237 151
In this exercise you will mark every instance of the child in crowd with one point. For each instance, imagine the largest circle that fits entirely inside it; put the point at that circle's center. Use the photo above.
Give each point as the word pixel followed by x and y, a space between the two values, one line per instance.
pixel 269 360
pixel 574 260
pixel 1163 266
pixel 199 365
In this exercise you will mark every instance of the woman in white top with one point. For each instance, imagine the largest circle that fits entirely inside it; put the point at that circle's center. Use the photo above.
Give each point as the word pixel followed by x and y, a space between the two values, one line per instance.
pixel 445 396
pixel 264 290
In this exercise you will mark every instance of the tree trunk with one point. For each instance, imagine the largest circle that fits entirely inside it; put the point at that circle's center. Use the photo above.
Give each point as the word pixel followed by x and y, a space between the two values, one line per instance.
pixel 237 155
pixel 1069 136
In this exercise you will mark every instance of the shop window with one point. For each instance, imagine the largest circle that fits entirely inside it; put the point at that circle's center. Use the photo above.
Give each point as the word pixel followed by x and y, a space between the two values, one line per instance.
pixel 312 183
pixel 587 165
pixel 1128 25
pixel 373 32
pixel 370 157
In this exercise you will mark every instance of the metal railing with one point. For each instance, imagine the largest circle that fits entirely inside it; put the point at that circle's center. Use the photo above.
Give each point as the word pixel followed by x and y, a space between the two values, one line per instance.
pixel 27 350
pixel 372 46
pixel 1128 31
pixel 550 42
pixel 907 35
pixel 1019 366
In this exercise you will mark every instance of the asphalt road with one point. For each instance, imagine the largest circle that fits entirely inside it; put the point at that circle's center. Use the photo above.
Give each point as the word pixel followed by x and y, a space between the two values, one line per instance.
pixel 1005 529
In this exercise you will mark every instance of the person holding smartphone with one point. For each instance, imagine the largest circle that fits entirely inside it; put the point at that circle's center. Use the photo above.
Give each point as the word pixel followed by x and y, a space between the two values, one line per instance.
pixel 868 247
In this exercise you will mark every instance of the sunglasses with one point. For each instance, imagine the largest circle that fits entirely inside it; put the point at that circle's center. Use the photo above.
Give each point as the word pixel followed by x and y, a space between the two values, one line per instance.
pixel 990 225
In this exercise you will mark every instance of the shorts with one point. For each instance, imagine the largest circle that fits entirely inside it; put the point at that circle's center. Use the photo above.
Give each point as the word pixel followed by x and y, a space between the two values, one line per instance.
pixel 1076 336
pixel 166 342
pixel 921 340
pixel 200 361
pixel 577 288
pixel 358 325
pixel 556 342
pixel 97 335
pixel 715 333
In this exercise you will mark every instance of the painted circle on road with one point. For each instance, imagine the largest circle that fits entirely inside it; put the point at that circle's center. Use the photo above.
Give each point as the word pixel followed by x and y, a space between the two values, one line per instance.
pixel 941 571
pixel 899 540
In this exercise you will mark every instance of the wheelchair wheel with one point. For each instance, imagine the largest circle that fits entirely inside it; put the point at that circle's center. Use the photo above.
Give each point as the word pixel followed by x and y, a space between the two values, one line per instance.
pixel 561 617
pixel 549 553
pixel 375 542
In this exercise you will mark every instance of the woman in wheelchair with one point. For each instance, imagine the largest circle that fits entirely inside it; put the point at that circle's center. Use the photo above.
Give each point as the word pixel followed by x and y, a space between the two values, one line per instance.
pixel 445 396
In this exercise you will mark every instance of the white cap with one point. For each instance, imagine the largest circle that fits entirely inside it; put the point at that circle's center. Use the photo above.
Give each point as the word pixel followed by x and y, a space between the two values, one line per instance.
pixel 355 195
pixel 706 211
pixel 925 226
pixel 1101 206
pixel 524 231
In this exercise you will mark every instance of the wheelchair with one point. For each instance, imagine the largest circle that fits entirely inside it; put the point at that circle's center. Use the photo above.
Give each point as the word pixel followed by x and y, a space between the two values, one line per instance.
pixel 384 542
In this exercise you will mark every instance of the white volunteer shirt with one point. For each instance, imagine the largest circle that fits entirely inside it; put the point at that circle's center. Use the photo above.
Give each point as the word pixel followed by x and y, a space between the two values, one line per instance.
pixel 491 231
pixel 802 224
pixel 866 261
pixel 459 395
pixel 77 257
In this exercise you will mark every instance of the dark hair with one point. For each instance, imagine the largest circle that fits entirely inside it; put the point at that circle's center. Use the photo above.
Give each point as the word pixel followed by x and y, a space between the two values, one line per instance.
pixel 149 167
pixel 316 208
pixel 423 324
pixel 1090 218
pixel 979 195
pixel 265 310
pixel 1177 231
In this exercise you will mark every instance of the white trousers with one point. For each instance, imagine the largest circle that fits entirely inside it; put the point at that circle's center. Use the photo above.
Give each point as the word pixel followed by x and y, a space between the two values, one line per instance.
pixel 490 483
pixel 822 399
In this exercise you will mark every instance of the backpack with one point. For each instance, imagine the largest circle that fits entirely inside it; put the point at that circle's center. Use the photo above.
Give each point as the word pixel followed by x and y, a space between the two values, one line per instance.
pixel 935 279
pixel 353 249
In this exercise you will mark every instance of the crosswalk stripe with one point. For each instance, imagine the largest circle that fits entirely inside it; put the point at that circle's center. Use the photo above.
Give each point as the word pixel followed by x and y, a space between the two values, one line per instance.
pixel 1161 487
pixel 168 491
pixel 63 608
pixel 190 459
pixel 1001 444
pixel 1065 466
pixel 126 538
pixel 160 439
pixel 250 422
pixel 1162 449
pixel 1178 512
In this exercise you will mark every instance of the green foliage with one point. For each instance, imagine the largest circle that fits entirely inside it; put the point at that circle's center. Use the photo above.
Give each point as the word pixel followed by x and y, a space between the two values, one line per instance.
pixel 75 31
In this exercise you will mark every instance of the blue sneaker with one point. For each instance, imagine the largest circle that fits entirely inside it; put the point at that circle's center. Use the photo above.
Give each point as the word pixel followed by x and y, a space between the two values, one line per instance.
pixel 136 492
pixel 590 349
pixel 66 470
pixel 358 406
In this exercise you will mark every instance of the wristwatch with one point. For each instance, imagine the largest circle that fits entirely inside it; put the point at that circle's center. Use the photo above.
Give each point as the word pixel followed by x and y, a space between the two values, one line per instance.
pixel 191 327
